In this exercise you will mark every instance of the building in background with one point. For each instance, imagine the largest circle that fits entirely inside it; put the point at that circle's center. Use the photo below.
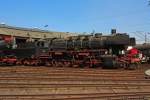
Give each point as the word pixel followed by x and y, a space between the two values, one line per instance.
pixel 29 34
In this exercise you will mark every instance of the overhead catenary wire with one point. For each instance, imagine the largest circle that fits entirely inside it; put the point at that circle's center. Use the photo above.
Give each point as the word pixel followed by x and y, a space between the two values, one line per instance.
pixel 141 37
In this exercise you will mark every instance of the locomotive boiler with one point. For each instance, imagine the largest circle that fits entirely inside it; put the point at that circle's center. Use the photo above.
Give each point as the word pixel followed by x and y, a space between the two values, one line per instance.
pixel 114 42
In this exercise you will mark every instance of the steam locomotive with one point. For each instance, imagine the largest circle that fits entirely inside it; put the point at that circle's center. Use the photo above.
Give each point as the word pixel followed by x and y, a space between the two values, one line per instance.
pixel 83 50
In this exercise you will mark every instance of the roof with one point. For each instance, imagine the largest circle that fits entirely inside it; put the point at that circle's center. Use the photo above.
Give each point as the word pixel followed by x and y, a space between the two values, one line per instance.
pixel 3 32
pixel 24 29
pixel 33 33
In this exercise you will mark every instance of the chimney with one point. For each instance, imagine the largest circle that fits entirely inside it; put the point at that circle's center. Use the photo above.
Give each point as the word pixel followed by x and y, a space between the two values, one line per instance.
pixel 113 31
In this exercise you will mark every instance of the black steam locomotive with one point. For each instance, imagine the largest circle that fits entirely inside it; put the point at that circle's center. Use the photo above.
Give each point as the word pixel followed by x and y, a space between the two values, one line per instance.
pixel 91 49
pixel 113 43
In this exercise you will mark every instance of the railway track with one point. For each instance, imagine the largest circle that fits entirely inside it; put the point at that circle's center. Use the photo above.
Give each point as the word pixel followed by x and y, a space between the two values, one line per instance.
pixel 43 83
pixel 93 96
pixel 78 76
pixel 16 85
pixel 34 68
pixel 71 74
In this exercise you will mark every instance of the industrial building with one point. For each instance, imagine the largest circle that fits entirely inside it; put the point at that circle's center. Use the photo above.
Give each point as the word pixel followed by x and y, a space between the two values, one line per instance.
pixel 31 34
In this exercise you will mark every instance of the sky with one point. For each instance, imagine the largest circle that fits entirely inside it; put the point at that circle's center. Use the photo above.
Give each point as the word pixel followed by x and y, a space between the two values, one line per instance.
pixel 129 16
